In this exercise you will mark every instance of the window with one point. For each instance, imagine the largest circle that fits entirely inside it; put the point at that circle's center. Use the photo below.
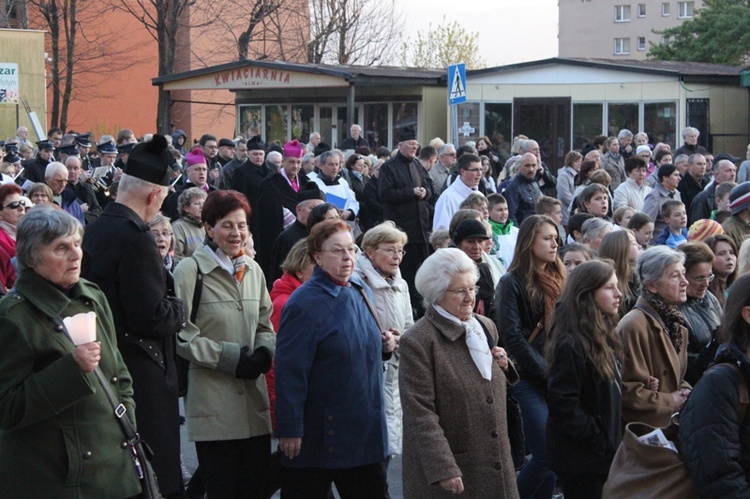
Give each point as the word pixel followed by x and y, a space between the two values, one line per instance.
pixel 621 116
pixel 685 9
pixel 587 124
pixel 375 125
pixel 498 119
pixel 622 46
pixel 622 13
pixel 641 43
pixel 641 10
pixel 404 115
pixel 251 117
pixel 660 119
pixel 276 126
pixel 302 121
pixel 467 126
pixel 665 9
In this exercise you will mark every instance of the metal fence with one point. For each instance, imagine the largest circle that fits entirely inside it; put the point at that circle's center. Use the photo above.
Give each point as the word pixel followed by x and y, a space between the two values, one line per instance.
pixel 731 143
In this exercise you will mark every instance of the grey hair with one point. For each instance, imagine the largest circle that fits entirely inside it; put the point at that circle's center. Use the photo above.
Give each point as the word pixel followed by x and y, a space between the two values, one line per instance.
pixel 526 145
pixel 356 126
pixel 129 183
pixel 324 157
pixel 436 273
pixel 314 135
pixel 39 227
pixel 680 158
pixel 308 158
pixel 625 133
pixel 444 148
pixel 693 157
pixel 273 155
pixel 55 167
pixel 592 227
pixel 688 129
pixel 187 196
pixel 609 141
pixel 641 134
pixel 653 262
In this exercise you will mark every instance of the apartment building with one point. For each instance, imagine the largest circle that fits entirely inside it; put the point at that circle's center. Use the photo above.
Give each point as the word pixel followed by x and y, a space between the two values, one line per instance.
pixel 617 28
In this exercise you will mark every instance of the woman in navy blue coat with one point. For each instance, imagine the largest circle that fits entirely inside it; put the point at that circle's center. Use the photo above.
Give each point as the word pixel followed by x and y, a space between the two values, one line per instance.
pixel 330 416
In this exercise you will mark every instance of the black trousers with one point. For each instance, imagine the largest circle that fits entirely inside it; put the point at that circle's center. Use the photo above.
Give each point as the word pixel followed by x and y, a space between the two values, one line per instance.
pixel 362 482
pixel 581 485
pixel 415 256
pixel 235 468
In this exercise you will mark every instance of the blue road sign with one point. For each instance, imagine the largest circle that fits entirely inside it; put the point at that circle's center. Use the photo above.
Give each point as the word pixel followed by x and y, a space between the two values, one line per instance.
pixel 456 84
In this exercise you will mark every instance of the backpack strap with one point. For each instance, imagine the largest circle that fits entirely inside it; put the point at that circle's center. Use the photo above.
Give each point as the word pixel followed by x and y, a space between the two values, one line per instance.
pixel 197 292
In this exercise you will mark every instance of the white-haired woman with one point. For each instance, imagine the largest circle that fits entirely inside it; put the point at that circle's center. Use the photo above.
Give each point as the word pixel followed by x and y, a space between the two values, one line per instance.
pixel 378 267
pixel 452 379
pixel 655 337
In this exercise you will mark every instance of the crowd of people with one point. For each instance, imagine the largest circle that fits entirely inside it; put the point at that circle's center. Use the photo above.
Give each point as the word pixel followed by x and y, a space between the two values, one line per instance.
pixel 323 310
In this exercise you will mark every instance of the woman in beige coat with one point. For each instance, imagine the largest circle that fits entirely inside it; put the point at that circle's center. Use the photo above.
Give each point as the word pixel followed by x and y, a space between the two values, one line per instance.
pixel 655 338
pixel 453 390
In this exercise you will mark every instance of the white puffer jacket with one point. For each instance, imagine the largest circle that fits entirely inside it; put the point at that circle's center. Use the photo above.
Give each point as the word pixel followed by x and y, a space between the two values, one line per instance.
pixel 393 306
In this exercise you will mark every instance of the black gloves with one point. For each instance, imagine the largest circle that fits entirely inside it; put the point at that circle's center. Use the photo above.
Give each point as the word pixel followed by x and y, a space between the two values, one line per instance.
pixel 252 365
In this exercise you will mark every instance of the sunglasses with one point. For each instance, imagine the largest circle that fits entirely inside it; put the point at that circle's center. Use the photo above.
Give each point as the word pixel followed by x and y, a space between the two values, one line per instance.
pixel 15 205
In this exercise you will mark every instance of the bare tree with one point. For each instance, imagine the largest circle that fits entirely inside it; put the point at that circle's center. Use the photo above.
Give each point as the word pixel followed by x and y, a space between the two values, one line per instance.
pixel 13 14
pixel 364 32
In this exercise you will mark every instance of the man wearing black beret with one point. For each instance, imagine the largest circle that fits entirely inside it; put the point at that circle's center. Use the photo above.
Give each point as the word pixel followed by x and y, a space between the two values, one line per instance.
pixel 120 256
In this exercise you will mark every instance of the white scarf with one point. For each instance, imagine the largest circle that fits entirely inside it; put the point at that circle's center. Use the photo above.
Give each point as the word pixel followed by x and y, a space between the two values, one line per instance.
pixel 476 341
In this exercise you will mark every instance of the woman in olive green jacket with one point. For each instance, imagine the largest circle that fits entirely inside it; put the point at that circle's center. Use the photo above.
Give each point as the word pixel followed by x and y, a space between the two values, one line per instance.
pixel 58 433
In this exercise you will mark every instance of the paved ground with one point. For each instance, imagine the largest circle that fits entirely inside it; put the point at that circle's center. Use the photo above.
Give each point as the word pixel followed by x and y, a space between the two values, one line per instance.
pixel 191 461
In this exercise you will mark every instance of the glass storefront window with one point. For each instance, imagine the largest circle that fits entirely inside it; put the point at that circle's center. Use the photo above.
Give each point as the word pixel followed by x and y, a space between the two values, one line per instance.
pixel 375 125
pixel 622 116
pixel 276 119
pixel 302 122
pixel 250 119
pixel 587 124
pixel 404 115
pixel 498 123
pixel 467 124
pixel 660 121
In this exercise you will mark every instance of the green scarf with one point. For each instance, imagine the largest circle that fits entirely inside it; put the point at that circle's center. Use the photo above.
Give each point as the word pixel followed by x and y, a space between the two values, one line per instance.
pixel 499 229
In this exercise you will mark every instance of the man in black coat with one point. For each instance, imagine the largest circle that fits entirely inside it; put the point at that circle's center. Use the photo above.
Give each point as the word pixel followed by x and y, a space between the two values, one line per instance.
pixel 355 139
pixel 33 169
pixel 284 189
pixel 196 170
pixel 289 237
pixel 248 177
pixel 404 192
pixel 120 256
pixel 705 202
pixel 694 181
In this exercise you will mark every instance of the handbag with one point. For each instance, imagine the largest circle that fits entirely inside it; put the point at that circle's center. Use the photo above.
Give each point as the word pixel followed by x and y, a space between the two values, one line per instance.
pixel 140 452
pixel 649 471
pixel 643 470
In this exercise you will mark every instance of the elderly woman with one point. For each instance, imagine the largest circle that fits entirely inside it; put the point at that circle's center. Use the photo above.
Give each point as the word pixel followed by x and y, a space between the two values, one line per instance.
pixel 161 228
pixel 188 229
pixel 59 435
pixel 229 343
pixel 715 447
pixel 702 310
pixel 40 193
pixel 378 267
pixel 330 412
pixel 12 209
pixel 453 390
pixel 593 231
pixel 655 337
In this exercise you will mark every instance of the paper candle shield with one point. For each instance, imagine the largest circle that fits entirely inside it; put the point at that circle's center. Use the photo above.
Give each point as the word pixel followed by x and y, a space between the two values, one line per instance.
pixel 82 328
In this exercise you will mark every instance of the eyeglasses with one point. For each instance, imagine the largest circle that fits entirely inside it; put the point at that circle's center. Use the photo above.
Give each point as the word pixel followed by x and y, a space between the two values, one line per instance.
pixel 393 251
pixel 464 292
pixel 165 234
pixel 703 279
pixel 15 205
pixel 339 252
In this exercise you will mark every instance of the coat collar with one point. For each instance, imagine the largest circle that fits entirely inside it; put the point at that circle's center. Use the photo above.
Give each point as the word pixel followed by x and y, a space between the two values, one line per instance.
pixel 449 329
pixel 319 278
pixel 46 296
pixel 116 209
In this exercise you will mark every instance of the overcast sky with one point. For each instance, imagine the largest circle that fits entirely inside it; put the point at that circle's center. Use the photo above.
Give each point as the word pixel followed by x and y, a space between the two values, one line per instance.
pixel 510 31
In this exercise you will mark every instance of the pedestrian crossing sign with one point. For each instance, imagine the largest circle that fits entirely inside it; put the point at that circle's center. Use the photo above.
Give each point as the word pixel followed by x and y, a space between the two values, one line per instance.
pixel 456 84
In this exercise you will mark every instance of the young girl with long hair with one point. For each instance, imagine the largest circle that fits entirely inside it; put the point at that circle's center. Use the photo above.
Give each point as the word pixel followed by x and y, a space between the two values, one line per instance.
pixel 725 265
pixel 527 294
pixel 583 355
pixel 622 248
